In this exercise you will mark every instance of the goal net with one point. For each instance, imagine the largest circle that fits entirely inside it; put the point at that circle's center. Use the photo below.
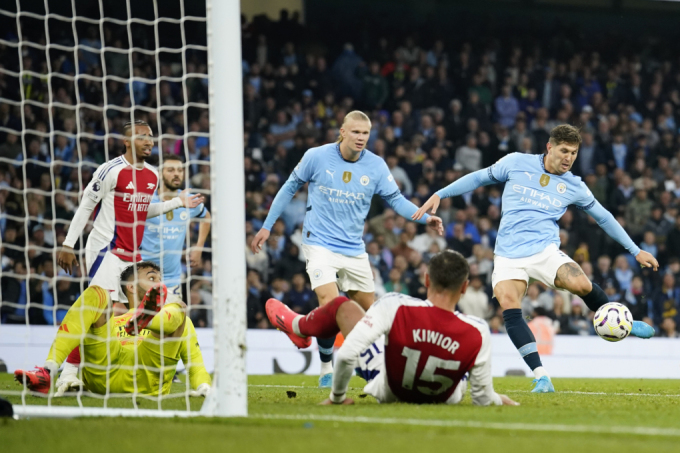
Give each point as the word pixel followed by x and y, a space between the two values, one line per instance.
pixel 72 74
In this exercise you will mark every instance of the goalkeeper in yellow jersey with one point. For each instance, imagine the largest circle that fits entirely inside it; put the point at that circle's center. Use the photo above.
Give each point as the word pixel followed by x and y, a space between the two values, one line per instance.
pixel 135 352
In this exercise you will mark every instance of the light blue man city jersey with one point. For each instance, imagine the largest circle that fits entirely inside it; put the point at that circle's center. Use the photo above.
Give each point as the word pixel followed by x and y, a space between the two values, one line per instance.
pixel 171 229
pixel 533 201
pixel 340 195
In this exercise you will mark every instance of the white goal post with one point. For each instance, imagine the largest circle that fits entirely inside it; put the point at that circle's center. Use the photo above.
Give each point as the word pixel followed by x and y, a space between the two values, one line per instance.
pixel 222 21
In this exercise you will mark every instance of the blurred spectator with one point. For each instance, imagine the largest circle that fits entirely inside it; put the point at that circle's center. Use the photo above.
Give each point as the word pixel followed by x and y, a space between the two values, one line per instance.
pixel 300 298
pixel 669 328
pixel 396 284
pixel 440 106
pixel 666 299
pixel 475 301
pixel 578 323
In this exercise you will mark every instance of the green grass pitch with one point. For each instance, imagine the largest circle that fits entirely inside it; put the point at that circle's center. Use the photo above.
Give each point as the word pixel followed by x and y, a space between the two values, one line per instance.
pixel 284 415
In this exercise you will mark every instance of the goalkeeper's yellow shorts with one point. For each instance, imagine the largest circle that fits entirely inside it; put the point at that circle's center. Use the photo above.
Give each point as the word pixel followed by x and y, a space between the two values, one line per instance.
pixel 114 362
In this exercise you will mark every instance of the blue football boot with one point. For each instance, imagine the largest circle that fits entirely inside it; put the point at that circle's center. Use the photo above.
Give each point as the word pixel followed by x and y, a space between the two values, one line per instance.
pixel 642 330
pixel 326 381
pixel 543 385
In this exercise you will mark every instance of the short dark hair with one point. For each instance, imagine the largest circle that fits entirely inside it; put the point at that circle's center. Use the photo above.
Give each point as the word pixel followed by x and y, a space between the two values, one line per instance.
pixel 127 127
pixel 129 272
pixel 565 133
pixel 448 271
pixel 169 156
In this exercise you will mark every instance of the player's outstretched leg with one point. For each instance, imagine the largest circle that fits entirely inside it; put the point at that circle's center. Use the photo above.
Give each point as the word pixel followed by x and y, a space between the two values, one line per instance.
pixel 320 322
pixel 597 298
pixel 37 380
pixel 85 312
pixel 282 318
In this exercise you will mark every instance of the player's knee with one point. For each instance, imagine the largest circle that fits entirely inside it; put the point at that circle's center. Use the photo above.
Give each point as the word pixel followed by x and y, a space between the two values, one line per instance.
pixel 508 301
pixel 582 287
pixel 348 315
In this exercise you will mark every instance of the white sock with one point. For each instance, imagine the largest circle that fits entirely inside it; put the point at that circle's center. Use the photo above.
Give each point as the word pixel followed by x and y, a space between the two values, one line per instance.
pixel 296 326
pixel 326 368
pixel 540 372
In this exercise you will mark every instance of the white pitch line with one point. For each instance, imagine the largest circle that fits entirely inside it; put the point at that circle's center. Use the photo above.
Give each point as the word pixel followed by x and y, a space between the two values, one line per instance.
pixel 637 430
pixel 282 386
pixel 658 395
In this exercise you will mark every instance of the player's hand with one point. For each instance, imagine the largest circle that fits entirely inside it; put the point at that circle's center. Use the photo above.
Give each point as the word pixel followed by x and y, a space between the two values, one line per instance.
pixel 260 238
pixel 196 258
pixel 66 259
pixel 432 203
pixel 647 260
pixel 190 201
pixel 436 224
pixel 328 402
pixel 202 390
pixel 507 401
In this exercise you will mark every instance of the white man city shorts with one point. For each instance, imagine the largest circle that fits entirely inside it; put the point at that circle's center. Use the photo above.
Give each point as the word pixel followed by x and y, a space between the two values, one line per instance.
pixel 104 269
pixel 353 272
pixel 542 266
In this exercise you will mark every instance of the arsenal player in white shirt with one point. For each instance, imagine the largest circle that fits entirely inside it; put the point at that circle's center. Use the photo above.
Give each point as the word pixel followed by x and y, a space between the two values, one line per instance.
pixel 429 348
pixel 119 195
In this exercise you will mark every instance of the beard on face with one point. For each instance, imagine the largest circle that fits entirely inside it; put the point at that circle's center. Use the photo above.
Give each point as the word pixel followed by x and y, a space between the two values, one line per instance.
pixel 169 184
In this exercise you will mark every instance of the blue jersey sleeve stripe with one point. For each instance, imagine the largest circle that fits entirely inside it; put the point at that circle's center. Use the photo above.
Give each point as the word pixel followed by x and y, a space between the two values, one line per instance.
pixel 491 176
pixel 298 179
pixel 585 208
pixel 391 196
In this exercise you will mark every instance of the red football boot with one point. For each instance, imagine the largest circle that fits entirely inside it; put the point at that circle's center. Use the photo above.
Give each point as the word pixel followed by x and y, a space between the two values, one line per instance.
pixel 147 309
pixel 282 318
pixel 37 380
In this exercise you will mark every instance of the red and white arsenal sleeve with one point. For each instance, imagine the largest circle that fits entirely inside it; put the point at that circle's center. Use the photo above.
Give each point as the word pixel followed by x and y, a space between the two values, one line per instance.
pixel 102 183
pixel 481 381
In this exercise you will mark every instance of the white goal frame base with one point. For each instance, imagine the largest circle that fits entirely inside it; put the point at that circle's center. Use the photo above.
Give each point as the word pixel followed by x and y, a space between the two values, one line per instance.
pixel 34 411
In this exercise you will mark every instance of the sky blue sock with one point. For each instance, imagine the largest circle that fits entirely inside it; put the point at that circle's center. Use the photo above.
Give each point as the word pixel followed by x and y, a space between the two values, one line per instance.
pixel 522 337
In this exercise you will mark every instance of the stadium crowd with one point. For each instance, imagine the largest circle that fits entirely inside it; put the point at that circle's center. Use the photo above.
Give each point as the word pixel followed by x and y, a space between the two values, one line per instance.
pixel 439 110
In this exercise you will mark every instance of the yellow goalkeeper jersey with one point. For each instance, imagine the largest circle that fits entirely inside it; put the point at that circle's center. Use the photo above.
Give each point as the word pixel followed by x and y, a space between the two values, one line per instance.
pixel 117 362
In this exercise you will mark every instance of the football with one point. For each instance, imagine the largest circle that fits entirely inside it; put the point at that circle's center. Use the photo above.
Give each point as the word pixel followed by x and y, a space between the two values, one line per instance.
pixel 613 321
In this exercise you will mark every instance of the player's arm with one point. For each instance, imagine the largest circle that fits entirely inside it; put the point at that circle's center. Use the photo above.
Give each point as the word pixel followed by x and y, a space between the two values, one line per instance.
pixel 495 174
pixel 101 184
pixel 481 381
pixel 390 192
pixel 608 223
pixel 168 319
pixel 203 232
pixel 372 326
pixel 191 356
pixel 184 199
pixel 300 175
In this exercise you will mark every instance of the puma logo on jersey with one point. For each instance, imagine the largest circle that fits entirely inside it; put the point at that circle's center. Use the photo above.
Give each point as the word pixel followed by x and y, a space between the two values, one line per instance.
pixel 130 186
pixel 331 173
pixel 431 336
pixel 529 175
